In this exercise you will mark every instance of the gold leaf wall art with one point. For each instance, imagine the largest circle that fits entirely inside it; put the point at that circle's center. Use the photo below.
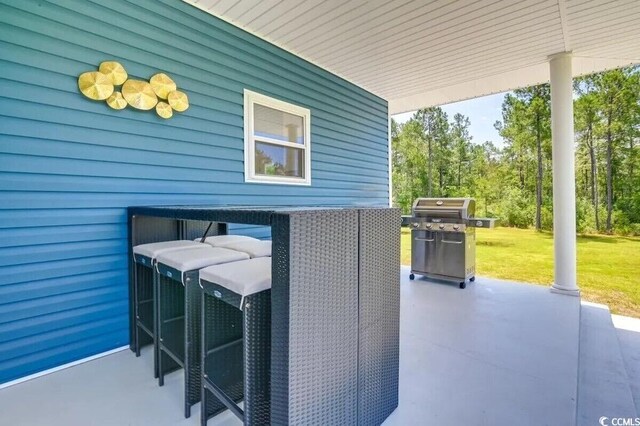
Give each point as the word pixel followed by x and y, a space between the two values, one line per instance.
pixel 116 101
pixel 115 71
pixel 164 110
pixel 178 100
pixel 139 94
pixel 162 85
pixel 102 85
pixel 95 85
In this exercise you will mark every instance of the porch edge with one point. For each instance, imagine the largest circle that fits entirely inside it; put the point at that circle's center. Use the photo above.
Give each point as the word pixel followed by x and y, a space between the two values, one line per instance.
pixel 61 367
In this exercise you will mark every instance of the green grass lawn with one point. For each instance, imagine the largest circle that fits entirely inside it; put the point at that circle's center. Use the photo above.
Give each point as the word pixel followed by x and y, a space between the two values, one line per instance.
pixel 608 266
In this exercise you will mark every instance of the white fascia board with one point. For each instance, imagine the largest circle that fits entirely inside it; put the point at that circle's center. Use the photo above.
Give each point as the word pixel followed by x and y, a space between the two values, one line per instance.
pixel 471 89
pixel 503 82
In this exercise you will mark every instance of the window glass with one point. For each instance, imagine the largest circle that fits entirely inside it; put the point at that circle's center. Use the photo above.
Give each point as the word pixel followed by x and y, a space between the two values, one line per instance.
pixel 280 125
pixel 277 160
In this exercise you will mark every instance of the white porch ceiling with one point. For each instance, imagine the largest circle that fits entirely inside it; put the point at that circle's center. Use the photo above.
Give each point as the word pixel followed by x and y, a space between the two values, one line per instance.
pixel 419 53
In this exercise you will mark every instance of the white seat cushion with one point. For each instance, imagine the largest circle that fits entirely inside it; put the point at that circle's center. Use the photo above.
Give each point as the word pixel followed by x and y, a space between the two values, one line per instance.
pixel 224 240
pixel 152 250
pixel 252 248
pixel 192 259
pixel 244 277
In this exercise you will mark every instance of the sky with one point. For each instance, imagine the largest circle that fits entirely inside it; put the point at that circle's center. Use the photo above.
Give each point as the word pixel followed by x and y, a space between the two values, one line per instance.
pixel 482 113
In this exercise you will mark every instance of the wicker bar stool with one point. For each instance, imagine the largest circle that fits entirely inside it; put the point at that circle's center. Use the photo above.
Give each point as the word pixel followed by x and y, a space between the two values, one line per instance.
pixel 144 293
pixel 236 340
pixel 179 313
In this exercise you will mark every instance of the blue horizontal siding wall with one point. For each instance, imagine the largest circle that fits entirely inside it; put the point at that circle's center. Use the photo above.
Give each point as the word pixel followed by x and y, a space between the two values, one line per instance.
pixel 69 166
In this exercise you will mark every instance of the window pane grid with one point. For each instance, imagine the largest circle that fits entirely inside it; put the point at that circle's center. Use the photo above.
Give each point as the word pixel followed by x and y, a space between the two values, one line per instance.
pixel 277 142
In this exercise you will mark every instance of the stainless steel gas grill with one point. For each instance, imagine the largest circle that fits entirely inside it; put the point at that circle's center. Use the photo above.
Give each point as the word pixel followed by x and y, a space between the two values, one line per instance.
pixel 443 238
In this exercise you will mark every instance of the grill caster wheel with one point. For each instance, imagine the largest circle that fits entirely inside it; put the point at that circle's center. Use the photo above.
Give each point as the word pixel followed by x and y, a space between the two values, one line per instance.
pixel 412 277
pixel 472 279
pixel 463 284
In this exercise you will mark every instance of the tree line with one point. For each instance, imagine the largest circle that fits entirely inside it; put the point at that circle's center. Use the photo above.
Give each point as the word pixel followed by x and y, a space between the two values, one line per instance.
pixel 434 155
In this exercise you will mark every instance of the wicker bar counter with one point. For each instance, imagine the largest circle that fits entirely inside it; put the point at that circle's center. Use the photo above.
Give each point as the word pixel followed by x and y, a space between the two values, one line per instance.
pixel 335 303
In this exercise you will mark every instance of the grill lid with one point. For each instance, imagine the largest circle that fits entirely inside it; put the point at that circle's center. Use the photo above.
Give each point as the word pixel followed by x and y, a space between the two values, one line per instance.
pixel 445 208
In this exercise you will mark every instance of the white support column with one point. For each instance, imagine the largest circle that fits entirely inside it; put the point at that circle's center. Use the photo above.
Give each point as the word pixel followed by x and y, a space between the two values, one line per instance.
pixel 390 151
pixel 564 186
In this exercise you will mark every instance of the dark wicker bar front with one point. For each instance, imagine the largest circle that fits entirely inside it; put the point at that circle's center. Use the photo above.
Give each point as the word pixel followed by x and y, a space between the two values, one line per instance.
pixel 335 303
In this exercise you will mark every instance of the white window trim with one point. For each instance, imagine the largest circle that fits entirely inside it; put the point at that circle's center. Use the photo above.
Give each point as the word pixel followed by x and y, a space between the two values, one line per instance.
pixel 251 98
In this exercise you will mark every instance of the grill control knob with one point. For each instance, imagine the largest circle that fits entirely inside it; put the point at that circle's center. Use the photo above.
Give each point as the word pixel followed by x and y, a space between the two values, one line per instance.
pixel 429 226
pixel 415 224
pixel 456 227
pixel 441 226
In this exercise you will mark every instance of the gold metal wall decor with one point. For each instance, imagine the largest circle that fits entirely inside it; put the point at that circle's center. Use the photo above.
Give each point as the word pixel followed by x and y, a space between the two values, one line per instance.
pixel 114 71
pixel 95 85
pixel 116 101
pixel 164 110
pixel 162 85
pixel 178 100
pixel 139 94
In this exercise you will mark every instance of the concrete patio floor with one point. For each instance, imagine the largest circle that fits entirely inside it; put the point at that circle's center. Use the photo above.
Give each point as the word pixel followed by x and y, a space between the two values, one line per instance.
pixel 496 353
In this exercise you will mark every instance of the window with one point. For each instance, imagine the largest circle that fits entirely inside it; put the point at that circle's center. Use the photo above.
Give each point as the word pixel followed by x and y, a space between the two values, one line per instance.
pixel 277 143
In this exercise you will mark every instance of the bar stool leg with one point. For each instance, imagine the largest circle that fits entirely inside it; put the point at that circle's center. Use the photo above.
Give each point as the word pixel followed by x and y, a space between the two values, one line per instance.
pixel 156 339
pixel 190 365
pixel 136 313
pixel 159 334
pixel 203 353
pixel 192 362
pixel 137 344
pixel 257 358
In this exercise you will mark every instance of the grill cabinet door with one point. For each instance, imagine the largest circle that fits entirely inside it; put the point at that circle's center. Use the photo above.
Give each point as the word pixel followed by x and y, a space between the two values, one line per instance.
pixel 423 251
pixel 451 251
